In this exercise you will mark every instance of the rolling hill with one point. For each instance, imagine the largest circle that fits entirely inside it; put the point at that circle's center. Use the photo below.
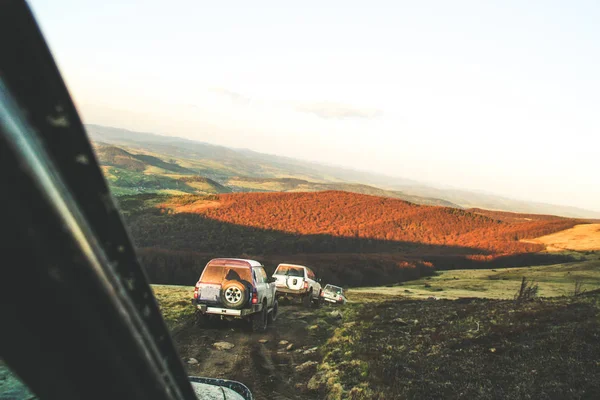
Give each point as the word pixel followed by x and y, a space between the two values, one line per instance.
pixel 222 164
pixel 136 171
pixel 348 238
pixel 249 184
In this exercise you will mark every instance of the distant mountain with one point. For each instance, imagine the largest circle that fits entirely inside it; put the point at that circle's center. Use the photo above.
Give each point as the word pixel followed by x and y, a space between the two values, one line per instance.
pixel 225 165
pixel 470 199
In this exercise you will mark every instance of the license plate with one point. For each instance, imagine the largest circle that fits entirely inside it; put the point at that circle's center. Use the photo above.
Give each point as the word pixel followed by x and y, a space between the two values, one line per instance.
pixel 210 292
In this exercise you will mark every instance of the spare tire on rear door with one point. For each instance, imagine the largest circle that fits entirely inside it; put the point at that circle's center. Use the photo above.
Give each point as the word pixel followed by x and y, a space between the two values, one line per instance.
pixel 234 294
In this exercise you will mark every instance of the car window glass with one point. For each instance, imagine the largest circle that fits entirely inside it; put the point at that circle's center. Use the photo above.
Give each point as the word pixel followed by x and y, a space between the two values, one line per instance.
pixel 216 274
pixel 290 271
pixel 310 274
pixel 263 275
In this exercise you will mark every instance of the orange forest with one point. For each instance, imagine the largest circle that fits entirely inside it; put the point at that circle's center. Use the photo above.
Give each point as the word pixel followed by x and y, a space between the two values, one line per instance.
pixel 350 238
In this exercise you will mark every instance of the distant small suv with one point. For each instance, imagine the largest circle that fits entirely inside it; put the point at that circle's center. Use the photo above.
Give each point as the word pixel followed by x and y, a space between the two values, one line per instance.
pixel 232 288
pixel 298 281
pixel 334 294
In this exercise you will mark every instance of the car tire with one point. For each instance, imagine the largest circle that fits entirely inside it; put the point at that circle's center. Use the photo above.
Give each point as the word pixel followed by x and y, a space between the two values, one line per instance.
pixel 318 302
pixel 273 314
pixel 259 320
pixel 307 299
pixel 234 294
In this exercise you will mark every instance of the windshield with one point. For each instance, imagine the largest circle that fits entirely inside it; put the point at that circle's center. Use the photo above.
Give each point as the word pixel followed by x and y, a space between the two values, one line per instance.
pixel 438 160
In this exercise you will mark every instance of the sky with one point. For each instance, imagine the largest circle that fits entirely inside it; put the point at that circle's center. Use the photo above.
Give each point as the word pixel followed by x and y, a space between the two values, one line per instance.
pixel 495 96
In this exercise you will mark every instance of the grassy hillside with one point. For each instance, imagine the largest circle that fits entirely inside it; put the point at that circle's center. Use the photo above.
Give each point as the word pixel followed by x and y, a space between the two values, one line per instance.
pixel 553 280
pixel 249 184
pixel 130 172
pixel 138 171
pixel 221 164
pixel 347 238
pixel 579 238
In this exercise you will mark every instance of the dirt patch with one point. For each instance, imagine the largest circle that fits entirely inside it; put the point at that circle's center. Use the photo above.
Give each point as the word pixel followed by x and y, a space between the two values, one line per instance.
pixel 267 368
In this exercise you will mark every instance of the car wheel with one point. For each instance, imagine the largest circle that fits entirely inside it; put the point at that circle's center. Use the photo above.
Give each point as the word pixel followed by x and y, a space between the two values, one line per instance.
pixel 234 294
pixel 318 302
pixel 306 300
pixel 259 320
pixel 273 314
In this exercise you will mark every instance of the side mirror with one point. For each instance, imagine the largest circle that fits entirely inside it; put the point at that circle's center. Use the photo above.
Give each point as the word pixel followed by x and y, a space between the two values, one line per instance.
pixel 272 280
pixel 211 388
pixel 319 280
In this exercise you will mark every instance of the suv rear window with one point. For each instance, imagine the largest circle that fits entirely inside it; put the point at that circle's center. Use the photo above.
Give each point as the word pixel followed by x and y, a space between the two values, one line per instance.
pixel 334 289
pixel 290 271
pixel 220 273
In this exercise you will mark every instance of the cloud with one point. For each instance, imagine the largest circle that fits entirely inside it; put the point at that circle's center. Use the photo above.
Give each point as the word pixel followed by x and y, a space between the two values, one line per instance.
pixel 235 97
pixel 331 110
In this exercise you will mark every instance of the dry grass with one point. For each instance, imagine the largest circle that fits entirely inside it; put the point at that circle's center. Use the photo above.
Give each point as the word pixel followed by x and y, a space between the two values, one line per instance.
pixel 464 349
pixel 194 207
pixel 579 238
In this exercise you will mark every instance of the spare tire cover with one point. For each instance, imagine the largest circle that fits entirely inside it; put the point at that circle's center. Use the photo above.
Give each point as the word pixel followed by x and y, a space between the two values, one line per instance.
pixel 234 294
pixel 294 282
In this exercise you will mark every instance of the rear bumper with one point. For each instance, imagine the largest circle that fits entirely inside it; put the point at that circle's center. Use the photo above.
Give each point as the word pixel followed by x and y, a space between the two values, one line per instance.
pixel 207 309
pixel 335 301
pixel 286 290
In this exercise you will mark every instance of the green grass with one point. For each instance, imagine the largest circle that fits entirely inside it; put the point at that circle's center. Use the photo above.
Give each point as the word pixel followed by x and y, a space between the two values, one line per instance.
pixel 175 304
pixel 138 182
pixel 553 280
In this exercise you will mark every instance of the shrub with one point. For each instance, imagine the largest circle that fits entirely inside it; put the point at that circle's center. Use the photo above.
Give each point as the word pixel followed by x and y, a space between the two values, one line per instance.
pixel 578 290
pixel 527 291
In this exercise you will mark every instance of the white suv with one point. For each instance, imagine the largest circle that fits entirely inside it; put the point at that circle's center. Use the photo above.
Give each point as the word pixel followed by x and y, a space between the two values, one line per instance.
pixel 234 288
pixel 298 281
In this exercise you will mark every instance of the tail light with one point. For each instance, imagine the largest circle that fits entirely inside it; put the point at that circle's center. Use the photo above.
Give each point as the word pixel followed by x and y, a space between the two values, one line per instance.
pixel 254 297
pixel 196 290
pixel 322 294
pixel 340 298
pixel 305 285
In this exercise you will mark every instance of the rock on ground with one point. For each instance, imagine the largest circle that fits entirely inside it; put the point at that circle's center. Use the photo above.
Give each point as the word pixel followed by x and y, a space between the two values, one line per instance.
pixel 223 345
pixel 306 366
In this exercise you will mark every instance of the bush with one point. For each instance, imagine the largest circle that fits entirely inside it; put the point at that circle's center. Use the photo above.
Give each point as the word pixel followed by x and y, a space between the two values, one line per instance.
pixel 527 291
pixel 578 290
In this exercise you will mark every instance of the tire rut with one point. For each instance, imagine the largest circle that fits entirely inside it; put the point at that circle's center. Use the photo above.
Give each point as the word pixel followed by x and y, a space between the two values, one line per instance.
pixel 266 367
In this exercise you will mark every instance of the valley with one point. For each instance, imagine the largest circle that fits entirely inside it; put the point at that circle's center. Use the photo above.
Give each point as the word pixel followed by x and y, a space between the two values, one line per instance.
pixel 432 275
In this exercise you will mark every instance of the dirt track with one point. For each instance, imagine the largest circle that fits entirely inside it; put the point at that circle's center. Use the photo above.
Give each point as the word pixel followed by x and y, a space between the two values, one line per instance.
pixel 268 369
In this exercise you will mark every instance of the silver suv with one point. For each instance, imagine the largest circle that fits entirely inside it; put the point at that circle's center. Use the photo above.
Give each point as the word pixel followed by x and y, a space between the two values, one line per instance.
pixel 298 281
pixel 232 288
